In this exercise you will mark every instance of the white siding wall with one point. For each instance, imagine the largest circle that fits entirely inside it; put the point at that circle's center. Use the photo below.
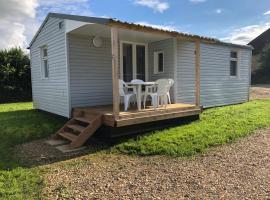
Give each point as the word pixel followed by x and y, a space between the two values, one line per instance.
pixel 50 94
pixel 185 72
pixel 90 72
pixel 167 46
pixel 90 69
pixel 217 87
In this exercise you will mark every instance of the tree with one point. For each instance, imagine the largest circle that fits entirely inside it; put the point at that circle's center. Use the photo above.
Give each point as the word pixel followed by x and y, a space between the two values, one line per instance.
pixel 15 75
pixel 262 74
pixel 264 60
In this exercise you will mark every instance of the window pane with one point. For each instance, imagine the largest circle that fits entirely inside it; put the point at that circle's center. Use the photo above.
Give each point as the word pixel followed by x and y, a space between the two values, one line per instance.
pixel 140 52
pixel 160 62
pixel 127 62
pixel 233 54
pixel 45 53
pixel 46 69
pixel 233 68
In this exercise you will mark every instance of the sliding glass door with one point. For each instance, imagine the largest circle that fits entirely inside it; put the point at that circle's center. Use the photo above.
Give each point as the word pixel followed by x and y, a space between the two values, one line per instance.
pixel 127 62
pixel 140 62
pixel 133 61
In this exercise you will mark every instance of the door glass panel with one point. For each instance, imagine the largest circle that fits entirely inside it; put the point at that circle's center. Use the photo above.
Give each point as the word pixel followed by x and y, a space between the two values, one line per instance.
pixel 140 58
pixel 160 62
pixel 127 62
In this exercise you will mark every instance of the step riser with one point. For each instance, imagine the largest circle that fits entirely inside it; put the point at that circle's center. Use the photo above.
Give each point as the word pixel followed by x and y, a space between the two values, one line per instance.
pixel 76 127
pixel 69 136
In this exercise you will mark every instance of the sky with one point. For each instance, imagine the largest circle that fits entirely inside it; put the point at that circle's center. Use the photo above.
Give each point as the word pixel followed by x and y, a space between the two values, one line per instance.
pixel 236 21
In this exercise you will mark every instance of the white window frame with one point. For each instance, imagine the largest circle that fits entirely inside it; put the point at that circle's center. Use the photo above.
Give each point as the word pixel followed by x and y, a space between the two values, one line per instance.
pixel 156 60
pixel 134 61
pixel 42 59
pixel 237 63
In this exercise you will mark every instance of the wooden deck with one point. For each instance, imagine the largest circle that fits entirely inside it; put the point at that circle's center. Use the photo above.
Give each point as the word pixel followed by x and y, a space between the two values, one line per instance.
pixel 133 116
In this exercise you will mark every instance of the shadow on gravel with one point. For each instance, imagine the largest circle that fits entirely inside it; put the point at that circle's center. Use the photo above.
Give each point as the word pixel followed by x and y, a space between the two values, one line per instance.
pixel 38 152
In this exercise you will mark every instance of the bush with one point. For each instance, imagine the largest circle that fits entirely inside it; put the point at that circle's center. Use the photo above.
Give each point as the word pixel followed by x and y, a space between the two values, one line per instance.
pixel 15 76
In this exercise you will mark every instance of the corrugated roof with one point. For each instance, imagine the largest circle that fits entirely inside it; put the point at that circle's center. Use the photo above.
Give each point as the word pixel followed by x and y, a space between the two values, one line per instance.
pixel 150 28
pixel 176 33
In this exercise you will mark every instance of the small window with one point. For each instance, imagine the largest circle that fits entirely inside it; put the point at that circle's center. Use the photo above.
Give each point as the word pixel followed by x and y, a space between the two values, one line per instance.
pixel 233 54
pixel 44 62
pixel 233 63
pixel 60 25
pixel 158 62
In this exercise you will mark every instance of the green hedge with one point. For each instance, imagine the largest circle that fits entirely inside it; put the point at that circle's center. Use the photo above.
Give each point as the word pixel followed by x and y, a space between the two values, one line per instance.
pixel 15 76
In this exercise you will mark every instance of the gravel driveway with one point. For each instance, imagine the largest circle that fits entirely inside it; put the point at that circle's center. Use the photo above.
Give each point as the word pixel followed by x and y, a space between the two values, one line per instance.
pixel 237 171
pixel 260 92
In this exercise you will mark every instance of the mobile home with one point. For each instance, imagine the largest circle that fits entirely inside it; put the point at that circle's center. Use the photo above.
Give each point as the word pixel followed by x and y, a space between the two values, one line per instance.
pixel 77 61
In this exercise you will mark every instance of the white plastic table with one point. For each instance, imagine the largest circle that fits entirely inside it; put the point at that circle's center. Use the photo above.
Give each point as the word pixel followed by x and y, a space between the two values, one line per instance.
pixel 139 91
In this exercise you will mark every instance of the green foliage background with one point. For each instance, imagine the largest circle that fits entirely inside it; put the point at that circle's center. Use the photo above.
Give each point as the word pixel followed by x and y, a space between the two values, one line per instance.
pixel 262 75
pixel 15 76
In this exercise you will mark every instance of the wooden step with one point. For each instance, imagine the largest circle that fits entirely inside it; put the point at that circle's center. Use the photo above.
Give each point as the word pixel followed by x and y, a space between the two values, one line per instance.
pixel 76 127
pixel 91 115
pixel 69 136
pixel 82 119
pixel 87 132
pixel 92 123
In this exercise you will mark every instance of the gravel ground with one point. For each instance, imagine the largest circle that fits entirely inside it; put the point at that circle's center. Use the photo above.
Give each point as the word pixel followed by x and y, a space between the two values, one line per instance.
pixel 235 171
pixel 38 152
pixel 260 92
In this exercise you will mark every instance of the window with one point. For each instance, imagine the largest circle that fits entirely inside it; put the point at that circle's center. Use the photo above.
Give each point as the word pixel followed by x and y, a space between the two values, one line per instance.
pixel 233 63
pixel 158 62
pixel 44 62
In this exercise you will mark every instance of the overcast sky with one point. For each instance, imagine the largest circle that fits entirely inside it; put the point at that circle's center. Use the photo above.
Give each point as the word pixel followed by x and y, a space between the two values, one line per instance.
pixel 237 21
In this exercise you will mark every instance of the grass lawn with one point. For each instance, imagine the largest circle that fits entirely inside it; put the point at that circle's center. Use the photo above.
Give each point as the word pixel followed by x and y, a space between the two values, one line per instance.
pixel 217 126
pixel 20 123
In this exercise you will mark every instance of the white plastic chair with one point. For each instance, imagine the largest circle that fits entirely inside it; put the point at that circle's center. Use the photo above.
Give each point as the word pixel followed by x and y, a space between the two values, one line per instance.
pixel 123 92
pixel 171 82
pixel 162 88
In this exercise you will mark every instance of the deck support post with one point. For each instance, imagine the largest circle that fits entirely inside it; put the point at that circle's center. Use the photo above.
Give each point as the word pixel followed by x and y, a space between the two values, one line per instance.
pixel 115 69
pixel 197 72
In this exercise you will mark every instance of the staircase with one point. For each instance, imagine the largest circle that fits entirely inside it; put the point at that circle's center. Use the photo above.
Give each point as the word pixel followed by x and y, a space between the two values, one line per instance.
pixel 79 129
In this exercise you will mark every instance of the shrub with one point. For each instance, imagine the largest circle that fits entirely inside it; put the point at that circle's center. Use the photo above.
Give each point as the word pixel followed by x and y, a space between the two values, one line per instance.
pixel 15 76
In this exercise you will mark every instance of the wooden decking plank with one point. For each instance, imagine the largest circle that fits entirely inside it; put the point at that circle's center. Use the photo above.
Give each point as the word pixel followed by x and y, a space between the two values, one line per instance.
pixel 151 118
pixel 155 112
pixel 134 116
